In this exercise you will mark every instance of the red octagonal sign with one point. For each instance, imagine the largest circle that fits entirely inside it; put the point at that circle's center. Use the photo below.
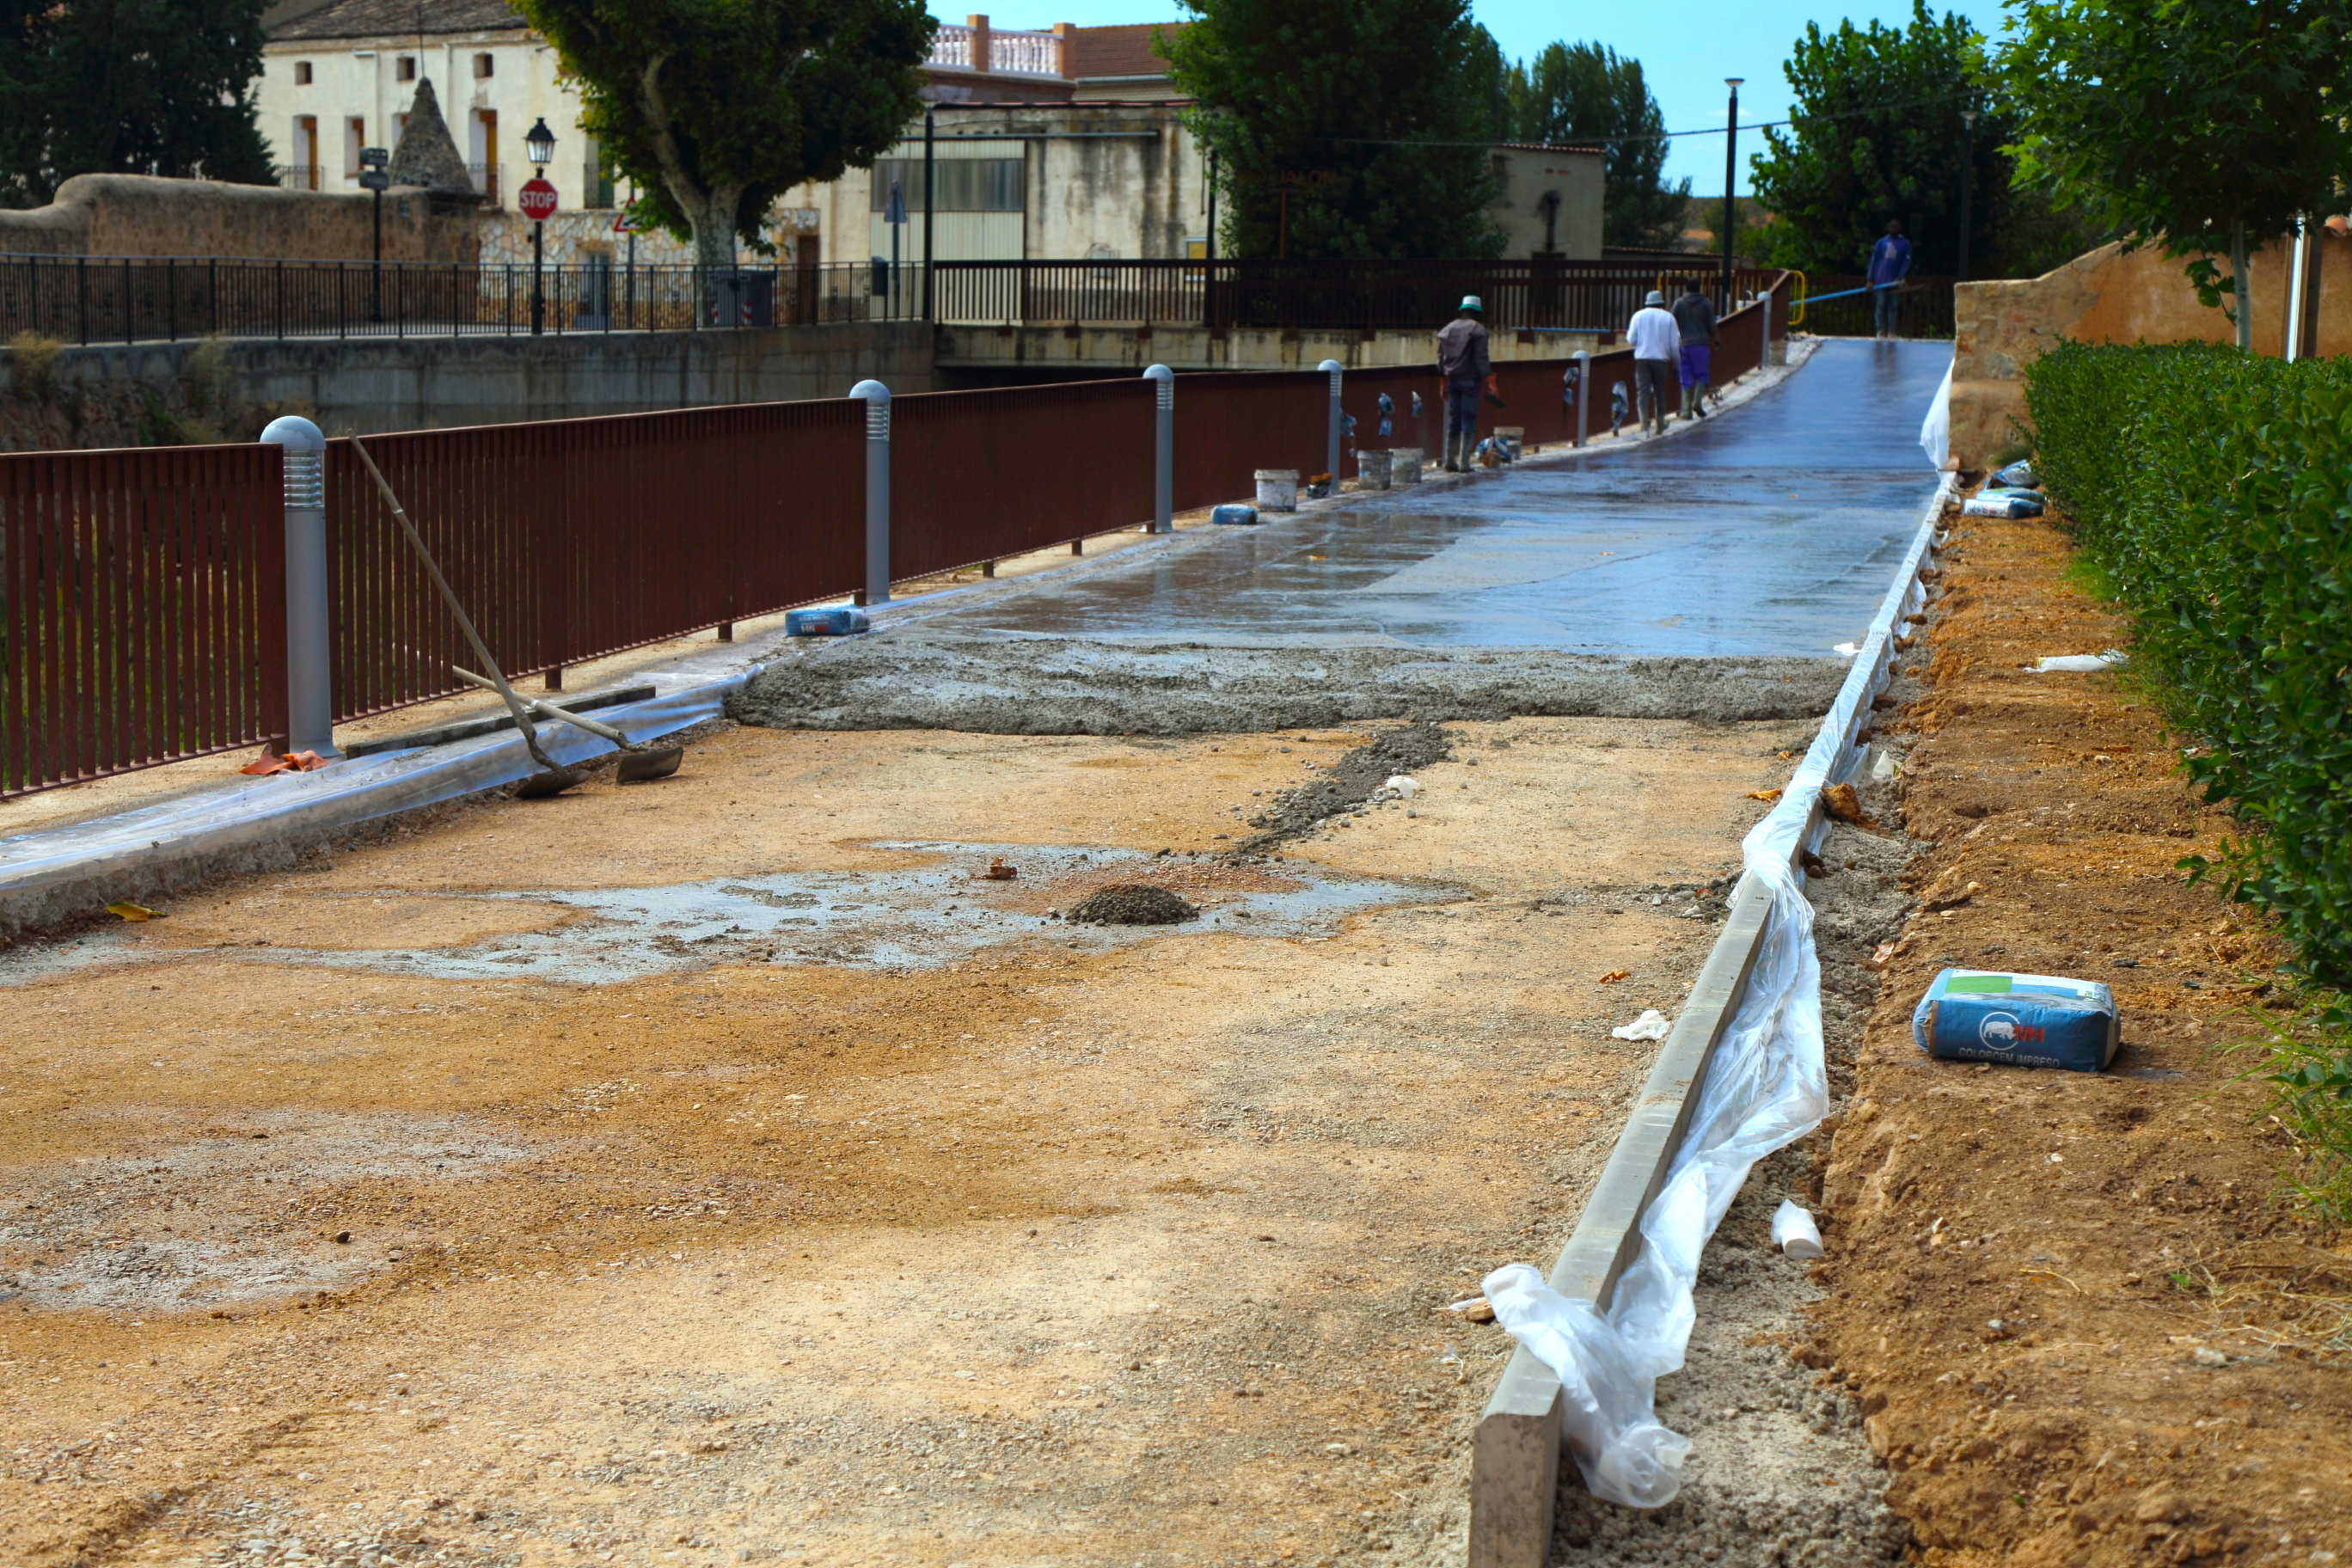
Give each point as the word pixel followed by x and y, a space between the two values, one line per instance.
pixel 537 200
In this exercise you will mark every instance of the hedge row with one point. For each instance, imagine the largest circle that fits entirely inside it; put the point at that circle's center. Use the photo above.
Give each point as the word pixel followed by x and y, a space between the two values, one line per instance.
pixel 2215 491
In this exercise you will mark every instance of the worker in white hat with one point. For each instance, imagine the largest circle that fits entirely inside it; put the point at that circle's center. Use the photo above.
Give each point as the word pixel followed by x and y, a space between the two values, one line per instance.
pixel 1463 366
pixel 1655 341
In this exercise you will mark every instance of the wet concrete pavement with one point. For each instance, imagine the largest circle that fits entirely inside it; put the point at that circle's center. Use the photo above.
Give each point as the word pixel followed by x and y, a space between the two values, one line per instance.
pixel 1769 530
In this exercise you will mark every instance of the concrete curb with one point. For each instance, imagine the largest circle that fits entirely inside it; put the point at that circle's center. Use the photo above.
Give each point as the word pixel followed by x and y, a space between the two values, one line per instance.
pixel 1516 1449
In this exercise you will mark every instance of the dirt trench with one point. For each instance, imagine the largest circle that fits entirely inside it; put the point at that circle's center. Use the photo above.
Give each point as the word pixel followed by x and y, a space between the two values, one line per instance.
pixel 2084 1328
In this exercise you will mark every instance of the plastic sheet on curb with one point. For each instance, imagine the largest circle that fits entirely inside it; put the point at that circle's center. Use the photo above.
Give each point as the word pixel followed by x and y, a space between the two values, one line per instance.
pixel 1766 1086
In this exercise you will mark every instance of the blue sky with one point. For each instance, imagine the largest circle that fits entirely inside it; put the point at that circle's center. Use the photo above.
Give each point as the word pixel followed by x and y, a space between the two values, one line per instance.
pixel 1686 47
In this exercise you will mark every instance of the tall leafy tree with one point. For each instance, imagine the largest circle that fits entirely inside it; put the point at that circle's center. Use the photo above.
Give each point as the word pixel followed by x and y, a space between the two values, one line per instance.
pixel 1347 131
pixel 1589 93
pixel 2191 123
pixel 1878 135
pixel 716 107
pixel 127 87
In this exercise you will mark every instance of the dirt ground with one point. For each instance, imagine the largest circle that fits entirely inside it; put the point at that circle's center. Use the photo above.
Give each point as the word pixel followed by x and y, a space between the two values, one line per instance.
pixel 2081 1326
pixel 609 1179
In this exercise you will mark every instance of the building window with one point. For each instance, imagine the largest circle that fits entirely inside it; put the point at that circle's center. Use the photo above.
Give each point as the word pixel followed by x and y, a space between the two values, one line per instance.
pixel 302 73
pixel 354 138
pixel 958 184
pixel 404 68
pixel 483 68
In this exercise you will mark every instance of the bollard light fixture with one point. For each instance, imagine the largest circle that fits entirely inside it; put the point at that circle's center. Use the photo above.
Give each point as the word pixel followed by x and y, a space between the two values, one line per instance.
pixel 540 142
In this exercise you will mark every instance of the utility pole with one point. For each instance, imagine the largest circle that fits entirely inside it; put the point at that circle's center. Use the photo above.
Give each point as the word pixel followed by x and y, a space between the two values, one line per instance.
pixel 1967 172
pixel 930 131
pixel 1730 207
pixel 374 176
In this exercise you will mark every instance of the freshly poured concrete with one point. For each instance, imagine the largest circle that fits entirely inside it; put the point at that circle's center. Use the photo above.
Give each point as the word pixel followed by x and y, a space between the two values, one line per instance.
pixel 1708 576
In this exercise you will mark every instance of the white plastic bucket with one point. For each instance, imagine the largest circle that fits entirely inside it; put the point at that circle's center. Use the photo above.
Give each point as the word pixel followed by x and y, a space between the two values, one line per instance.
pixel 1372 470
pixel 1404 465
pixel 1277 489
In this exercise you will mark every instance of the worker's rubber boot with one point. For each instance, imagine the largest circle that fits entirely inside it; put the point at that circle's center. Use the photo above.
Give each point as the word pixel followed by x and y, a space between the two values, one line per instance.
pixel 1454 451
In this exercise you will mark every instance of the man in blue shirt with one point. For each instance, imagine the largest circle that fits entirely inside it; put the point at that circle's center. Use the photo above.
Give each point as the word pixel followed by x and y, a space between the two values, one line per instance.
pixel 1890 263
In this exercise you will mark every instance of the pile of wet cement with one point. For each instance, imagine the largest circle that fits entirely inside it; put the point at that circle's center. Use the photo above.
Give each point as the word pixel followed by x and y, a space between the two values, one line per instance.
pixel 1133 904
pixel 1039 685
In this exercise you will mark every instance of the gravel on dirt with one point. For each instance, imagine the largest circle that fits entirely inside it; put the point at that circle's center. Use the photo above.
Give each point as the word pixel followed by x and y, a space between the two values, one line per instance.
pixel 1347 783
pixel 910 679
pixel 1133 904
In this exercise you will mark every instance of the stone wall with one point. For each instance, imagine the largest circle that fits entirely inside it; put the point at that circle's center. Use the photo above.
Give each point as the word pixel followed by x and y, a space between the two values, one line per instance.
pixel 228 388
pixel 2112 295
pixel 136 214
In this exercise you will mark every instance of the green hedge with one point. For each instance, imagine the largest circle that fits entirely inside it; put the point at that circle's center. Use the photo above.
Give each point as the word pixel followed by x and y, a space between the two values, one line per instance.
pixel 2214 490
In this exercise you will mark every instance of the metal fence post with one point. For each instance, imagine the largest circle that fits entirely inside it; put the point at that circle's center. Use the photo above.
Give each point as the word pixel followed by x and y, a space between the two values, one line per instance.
pixel 1333 368
pixel 1164 443
pixel 1583 358
pixel 310 690
pixel 877 489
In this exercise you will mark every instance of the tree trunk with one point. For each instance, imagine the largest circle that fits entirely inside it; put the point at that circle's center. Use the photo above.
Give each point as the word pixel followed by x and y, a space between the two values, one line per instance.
pixel 2238 286
pixel 711 214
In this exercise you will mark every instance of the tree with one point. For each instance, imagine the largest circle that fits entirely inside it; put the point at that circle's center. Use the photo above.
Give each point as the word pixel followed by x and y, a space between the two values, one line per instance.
pixel 1878 135
pixel 1352 131
pixel 1588 93
pixel 716 107
pixel 127 87
pixel 2190 123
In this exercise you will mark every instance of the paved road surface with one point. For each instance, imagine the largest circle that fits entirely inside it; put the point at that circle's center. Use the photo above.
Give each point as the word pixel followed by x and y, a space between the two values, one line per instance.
pixel 1770 530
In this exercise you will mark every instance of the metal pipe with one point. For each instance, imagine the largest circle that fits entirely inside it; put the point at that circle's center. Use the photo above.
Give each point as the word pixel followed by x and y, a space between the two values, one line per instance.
pixel 1583 358
pixel 310 651
pixel 1163 470
pixel 1333 368
pixel 878 490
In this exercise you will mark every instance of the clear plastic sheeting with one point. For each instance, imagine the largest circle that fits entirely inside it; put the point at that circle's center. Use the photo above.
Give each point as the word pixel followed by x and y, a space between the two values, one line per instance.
pixel 1766 1086
pixel 1936 430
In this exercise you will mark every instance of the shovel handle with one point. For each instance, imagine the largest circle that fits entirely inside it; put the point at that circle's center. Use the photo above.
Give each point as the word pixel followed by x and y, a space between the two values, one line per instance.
pixel 549 709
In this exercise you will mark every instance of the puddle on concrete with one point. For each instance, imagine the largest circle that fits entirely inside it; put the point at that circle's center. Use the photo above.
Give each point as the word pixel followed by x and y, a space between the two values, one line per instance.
pixel 915 917
pixel 227 1217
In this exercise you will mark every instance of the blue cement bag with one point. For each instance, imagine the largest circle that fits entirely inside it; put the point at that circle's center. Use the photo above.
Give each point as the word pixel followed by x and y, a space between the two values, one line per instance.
pixel 2002 504
pixel 2031 1020
pixel 1234 516
pixel 833 621
pixel 2018 476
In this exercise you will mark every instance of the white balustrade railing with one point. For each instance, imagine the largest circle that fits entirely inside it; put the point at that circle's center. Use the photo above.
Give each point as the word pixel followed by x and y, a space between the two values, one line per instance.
pixel 1006 53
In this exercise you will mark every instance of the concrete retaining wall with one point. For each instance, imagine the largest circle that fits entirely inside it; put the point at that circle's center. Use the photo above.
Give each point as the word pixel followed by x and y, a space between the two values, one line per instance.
pixel 1116 351
pixel 100 396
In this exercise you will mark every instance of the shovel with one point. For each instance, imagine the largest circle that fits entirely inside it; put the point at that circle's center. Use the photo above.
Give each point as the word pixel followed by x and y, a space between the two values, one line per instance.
pixel 554 780
pixel 639 762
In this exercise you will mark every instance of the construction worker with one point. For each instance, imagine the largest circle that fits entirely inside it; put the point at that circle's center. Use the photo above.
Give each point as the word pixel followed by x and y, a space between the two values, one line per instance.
pixel 1655 341
pixel 1463 366
pixel 1694 322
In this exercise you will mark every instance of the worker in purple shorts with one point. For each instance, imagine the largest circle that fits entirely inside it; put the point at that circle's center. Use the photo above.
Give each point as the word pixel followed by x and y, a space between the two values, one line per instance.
pixel 1695 320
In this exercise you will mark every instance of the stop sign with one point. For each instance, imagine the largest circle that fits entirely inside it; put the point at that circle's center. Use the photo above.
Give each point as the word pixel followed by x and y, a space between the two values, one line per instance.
pixel 537 200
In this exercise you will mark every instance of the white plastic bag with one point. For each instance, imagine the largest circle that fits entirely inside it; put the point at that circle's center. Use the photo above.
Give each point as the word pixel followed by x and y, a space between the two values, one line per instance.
pixel 1652 1025
pixel 1404 786
pixel 1794 1232
pixel 1936 430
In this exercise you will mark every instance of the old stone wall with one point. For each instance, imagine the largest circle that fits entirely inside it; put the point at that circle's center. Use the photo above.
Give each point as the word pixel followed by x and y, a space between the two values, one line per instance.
pixel 136 214
pixel 2113 296
pixel 228 388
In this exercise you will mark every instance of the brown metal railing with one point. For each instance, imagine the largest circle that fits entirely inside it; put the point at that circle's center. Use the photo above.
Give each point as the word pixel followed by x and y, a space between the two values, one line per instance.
pixel 143 609
pixel 142 594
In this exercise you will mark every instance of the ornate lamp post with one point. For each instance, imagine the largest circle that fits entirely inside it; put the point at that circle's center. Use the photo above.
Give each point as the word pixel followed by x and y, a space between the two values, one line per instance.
pixel 540 142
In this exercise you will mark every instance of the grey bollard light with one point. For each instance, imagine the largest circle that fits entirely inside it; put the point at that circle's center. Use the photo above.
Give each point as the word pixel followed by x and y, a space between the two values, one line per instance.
pixel 877 489
pixel 1583 358
pixel 1333 368
pixel 1164 443
pixel 309 653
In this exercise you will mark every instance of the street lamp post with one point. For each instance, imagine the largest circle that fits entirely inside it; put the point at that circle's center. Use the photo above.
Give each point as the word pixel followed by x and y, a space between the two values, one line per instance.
pixel 1730 152
pixel 1967 172
pixel 540 142
pixel 375 176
